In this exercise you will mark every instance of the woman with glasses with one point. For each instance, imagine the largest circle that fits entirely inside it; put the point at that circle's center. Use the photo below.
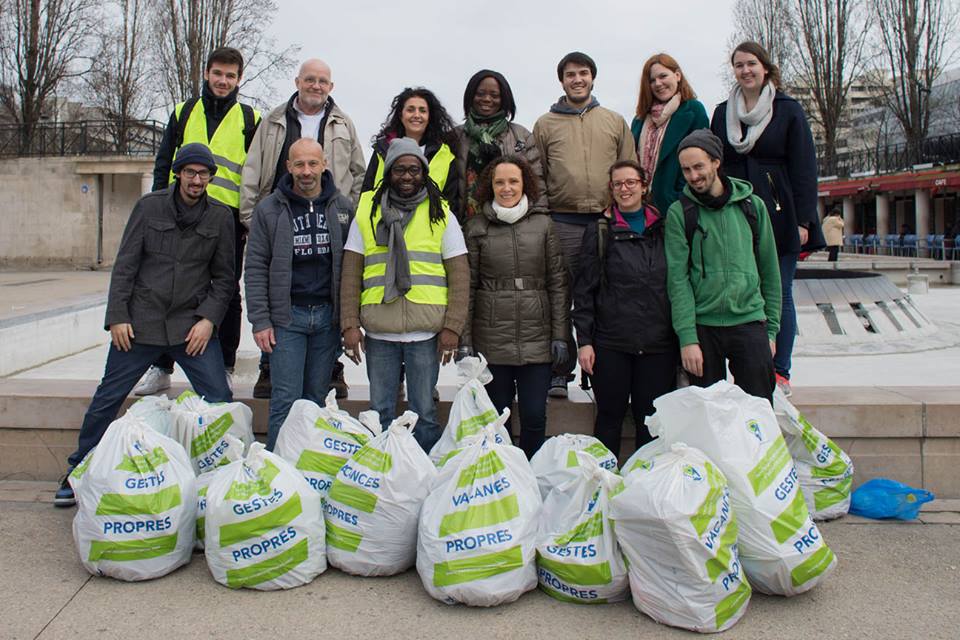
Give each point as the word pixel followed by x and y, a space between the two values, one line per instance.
pixel 519 299
pixel 488 133
pixel 667 110
pixel 417 114
pixel 621 311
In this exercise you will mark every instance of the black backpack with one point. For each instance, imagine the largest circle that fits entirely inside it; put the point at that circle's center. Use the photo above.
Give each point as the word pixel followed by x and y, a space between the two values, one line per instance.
pixel 691 223
pixel 249 123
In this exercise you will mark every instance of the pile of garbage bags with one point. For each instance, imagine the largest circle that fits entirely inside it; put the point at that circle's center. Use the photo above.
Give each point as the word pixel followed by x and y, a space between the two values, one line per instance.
pixel 721 503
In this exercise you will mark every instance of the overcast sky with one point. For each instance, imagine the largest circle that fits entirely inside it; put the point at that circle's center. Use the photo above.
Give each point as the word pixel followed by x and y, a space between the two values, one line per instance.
pixel 377 48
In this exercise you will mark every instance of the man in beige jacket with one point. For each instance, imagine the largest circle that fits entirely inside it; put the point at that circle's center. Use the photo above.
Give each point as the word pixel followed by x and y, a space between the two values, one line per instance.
pixel 578 140
pixel 832 228
pixel 309 113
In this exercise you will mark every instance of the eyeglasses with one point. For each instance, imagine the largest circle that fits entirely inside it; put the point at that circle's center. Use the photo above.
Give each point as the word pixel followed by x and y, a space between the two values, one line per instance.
pixel 320 82
pixel 413 170
pixel 190 174
pixel 630 183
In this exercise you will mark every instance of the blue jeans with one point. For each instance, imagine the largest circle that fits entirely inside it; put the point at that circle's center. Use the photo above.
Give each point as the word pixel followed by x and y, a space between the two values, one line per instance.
pixel 788 316
pixel 383 371
pixel 124 368
pixel 530 383
pixel 302 362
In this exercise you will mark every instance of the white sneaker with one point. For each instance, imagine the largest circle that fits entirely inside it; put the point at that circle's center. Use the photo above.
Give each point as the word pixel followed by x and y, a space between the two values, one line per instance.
pixel 153 381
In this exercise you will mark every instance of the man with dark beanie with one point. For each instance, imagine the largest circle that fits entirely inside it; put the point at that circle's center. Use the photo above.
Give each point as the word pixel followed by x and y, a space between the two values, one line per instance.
pixel 170 288
pixel 293 279
pixel 217 120
pixel 723 276
pixel 578 141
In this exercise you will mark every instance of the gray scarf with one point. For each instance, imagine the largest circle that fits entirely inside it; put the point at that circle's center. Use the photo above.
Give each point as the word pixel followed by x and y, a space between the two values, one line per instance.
pixel 395 213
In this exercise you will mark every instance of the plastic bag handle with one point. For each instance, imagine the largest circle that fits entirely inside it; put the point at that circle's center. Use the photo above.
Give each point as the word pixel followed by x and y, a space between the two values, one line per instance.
pixel 473 368
pixel 591 469
pixel 407 422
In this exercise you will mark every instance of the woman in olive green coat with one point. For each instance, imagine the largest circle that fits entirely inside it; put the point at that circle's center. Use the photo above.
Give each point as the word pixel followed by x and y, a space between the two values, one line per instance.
pixel 519 301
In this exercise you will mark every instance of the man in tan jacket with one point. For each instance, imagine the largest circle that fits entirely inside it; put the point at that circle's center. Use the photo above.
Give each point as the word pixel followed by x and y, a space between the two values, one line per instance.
pixel 832 228
pixel 578 140
pixel 309 113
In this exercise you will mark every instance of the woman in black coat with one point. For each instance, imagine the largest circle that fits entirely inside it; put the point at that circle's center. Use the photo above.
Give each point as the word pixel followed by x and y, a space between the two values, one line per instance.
pixel 767 141
pixel 621 311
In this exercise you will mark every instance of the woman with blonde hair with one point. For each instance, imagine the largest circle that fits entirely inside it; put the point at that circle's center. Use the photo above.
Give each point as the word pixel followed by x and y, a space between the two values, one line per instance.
pixel 667 110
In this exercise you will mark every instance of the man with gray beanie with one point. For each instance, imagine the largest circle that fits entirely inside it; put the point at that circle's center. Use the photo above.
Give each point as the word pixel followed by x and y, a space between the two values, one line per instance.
pixel 171 284
pixel 578 141
pixel 406 282
pixel 723 275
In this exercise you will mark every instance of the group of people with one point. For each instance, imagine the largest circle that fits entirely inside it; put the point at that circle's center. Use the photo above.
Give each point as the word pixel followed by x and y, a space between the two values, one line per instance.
pixel 669 244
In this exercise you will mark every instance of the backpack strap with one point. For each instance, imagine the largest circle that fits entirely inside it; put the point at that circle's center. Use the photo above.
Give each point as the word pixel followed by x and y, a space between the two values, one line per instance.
pixel 750 213
pixel 603 232
pixel 185 112
pixel 691 222
pixel 249 125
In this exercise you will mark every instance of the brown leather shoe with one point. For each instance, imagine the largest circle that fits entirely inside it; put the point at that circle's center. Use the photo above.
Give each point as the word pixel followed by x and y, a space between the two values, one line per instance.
pixel 263 388
pixel 337 381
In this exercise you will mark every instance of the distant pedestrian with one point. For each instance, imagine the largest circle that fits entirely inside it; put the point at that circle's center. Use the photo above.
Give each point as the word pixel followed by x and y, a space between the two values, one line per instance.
pixel 832 228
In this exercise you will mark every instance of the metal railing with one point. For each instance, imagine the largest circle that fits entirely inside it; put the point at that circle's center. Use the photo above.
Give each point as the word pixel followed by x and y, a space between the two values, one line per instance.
pixel 85 137
pixel 890 158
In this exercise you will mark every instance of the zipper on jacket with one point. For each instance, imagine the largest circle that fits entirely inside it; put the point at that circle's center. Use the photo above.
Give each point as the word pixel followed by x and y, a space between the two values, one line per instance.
pixel 773 191
pixel 516 293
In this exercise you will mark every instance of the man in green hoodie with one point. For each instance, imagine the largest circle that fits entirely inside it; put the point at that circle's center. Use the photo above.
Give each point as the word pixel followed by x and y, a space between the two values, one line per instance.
pixel 723 279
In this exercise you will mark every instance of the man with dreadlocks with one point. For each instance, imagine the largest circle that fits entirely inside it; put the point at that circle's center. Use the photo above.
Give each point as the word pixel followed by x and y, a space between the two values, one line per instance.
pixel 406 282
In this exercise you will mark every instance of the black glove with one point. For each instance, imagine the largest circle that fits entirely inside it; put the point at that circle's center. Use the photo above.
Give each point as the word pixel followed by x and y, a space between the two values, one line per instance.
pixel 463 352
pixel 559 352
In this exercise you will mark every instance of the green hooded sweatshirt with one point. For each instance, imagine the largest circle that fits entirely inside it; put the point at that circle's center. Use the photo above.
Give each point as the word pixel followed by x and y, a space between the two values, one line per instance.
pixel 720 283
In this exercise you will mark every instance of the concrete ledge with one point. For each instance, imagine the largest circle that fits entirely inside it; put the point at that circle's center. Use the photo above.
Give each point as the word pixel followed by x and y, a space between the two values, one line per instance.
pixel 911 434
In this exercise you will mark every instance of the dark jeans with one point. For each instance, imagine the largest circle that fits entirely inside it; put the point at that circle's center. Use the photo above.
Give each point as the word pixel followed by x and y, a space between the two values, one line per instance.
pixel 384 359
pixel 747 348
pixel 832 253
pixel 788 316
pixel 123 370
pixel 571 238
pixel 229 330
pixel 302 362
pixel 530 382
pixel 621 378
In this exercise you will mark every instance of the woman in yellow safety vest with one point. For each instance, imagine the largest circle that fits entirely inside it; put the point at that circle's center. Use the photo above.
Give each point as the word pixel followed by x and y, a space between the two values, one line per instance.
pixel 406 283
pixel 417 113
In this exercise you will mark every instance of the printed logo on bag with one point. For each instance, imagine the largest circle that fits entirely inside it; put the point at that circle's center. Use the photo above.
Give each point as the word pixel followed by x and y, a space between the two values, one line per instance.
pixel 241 491
pixel 145 463
pixel 754 427
pixel 645 465
pixel 691 472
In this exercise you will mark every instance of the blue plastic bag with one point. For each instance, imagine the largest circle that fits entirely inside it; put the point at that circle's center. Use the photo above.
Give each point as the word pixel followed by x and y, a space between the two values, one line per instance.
pixel 882 498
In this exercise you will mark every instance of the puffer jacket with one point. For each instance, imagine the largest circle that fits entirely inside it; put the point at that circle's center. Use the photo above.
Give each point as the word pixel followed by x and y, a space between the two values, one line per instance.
pixel 621 302
pixel 519 299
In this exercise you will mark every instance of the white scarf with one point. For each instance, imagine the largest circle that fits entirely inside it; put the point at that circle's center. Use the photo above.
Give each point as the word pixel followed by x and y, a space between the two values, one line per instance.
pixel 510 215
pixel 756 120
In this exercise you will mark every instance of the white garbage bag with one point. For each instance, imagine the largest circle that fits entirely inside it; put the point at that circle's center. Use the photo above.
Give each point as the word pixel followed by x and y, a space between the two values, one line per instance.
pixel 781 549
pixel 825 471
pixel 470 410
pixel 318 440
pixel 478 527
pixel 373 507
pixel 264 524
pixel 136 503
pixel 674 521
pixel 234 452
pixel 556 461
pixel 155 411
pixel 578 557
pixel 199 426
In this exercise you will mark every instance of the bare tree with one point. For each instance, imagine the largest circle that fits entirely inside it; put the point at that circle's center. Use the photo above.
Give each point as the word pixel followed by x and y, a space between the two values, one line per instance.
pixel 913 39
pixel 188 30
pixel 831 36
pixel 41 45
pixel 116 81
pixel 770 23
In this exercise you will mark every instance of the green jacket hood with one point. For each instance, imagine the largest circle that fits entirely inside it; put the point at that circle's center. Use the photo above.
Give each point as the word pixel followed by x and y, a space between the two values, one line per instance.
pixel 740 190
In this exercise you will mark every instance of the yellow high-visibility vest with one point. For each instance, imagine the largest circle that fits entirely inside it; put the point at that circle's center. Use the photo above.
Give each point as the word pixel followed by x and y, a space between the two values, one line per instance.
pixel 439 167
pixel 428 278
pixel 228 146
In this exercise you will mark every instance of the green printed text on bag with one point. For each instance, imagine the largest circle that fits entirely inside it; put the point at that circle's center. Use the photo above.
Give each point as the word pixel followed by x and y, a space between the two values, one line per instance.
pixel 453 572
pixel 268 569
pixel 129 550
pixel 256 527
pixel 481 515
pixel 146 463
pixel 211 435
pixel 241 491
pixel 771 464
pixel 123 504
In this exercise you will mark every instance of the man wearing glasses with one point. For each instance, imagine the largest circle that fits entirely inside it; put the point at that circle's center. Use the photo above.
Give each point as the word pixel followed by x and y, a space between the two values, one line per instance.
pixel 171 284
pixel 309 113
pixel 217 120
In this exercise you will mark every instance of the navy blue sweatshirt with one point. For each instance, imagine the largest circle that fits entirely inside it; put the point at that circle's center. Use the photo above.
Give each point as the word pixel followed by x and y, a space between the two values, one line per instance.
pixel 312 261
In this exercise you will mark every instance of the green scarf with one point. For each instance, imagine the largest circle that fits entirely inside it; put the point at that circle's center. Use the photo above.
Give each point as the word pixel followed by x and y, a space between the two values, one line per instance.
pixel 484 130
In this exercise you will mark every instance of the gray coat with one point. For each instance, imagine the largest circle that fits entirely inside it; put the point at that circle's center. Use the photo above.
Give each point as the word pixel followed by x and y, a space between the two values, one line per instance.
pixel 166 279
pixel 269 266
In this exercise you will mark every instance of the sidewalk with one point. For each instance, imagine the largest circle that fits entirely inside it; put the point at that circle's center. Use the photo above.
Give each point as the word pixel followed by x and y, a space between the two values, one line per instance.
pixel 894 580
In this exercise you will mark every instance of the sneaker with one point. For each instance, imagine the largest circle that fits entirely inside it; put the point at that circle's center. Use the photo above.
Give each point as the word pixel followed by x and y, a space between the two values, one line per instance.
pixel 64 495
pixel 558 387
pixel 153 381
pixel 784 385
pixel 263 387
pixel 338 383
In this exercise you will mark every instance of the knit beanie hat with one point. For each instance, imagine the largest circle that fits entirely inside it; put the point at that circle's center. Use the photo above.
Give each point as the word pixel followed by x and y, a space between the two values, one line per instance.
pixel 194 153
pixel 703 139
pixel 577 57
pixel 404 147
